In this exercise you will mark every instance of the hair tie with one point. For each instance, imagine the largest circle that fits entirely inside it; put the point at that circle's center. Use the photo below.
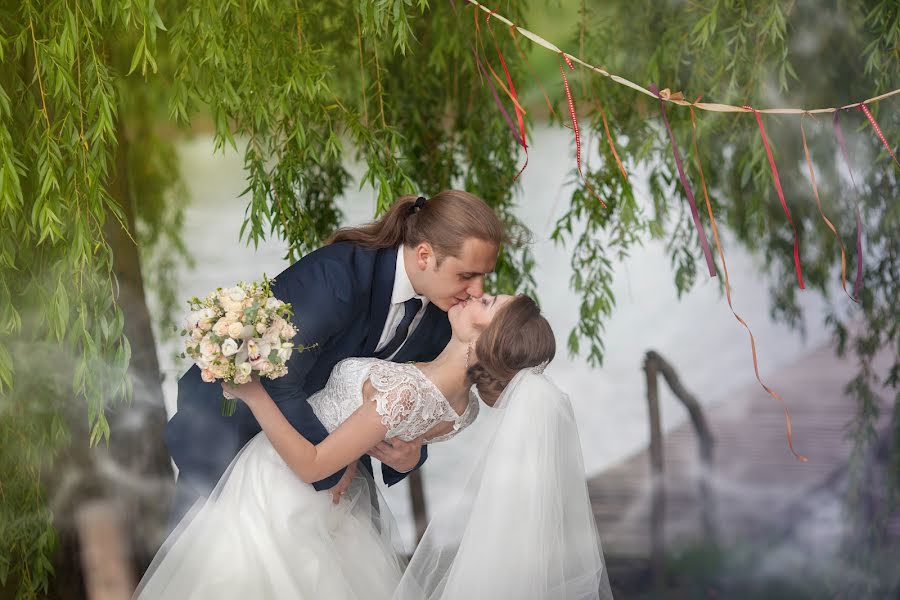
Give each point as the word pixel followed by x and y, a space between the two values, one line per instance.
pixel 420 202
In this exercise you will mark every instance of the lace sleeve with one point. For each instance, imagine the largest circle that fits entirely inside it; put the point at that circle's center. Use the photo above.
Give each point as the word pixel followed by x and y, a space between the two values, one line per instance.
pixel 396 396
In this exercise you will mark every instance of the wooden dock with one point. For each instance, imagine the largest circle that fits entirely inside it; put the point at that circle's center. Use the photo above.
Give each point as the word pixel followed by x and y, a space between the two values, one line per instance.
pixel 757 483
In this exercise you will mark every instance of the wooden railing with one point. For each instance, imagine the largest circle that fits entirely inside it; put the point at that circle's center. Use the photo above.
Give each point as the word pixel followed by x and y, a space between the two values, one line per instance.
pixel 654 365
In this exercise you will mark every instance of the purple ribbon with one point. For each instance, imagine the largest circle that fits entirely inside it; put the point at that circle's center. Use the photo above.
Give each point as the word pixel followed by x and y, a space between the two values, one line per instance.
pixel 687 186
pixel 506 116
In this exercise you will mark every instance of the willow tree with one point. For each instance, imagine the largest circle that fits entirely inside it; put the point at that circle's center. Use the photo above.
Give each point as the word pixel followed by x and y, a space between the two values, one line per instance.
pixel 86 192
pixel 301 88
pixel 85 184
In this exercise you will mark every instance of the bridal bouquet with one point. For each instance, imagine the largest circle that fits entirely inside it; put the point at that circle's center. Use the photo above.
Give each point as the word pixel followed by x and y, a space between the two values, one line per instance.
pixel 238 330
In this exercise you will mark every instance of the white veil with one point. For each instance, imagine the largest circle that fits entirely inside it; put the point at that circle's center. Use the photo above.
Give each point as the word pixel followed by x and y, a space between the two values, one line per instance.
pixel 523 527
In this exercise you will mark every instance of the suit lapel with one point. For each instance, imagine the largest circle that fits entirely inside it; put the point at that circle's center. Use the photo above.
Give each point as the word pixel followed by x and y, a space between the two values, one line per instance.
pixel 380 302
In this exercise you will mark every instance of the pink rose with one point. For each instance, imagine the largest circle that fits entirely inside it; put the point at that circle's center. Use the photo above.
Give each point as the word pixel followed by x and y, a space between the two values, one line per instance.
pixel 221 328
pixel 209 348
pixel 235 330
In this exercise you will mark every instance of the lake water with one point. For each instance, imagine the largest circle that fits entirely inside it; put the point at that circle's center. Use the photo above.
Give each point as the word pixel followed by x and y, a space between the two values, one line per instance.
pixel 697 334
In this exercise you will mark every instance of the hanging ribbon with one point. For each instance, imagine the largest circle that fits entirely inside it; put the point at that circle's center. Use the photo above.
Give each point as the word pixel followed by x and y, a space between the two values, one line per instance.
pixel 515 98
pixel 609 138
pixel 537 79
pixel 575 125
pixel 778 188
pixel 865 109
pixel 478 42
pixel 715 230
pixel 714 107
pixel 704 243
pixel 812 177
pixel 839 134
pixel 497 101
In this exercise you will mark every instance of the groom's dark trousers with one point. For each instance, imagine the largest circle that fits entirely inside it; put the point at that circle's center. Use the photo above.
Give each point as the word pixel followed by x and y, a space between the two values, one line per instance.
pixel 340 295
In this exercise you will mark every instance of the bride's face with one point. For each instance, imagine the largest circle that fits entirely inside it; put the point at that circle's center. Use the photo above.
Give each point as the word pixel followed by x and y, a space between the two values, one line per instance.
pixel 470 317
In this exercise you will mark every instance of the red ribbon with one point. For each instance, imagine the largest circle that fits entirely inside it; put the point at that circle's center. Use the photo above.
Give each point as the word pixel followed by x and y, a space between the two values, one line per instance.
pixel 575 126
pixel 704 243
pixel 777 180
pixel 715 230
pixel 497 101
pixel 515 99
pixel 839 134
pixel 865 109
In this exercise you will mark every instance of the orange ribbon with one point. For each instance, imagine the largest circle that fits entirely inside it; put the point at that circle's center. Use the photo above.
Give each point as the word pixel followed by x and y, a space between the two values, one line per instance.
pixel 609 139
pixel 812 176
pixel 715 230
pixel 537 79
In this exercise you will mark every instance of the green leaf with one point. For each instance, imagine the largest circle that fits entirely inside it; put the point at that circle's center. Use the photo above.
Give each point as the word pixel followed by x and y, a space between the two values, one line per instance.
pixel 136 57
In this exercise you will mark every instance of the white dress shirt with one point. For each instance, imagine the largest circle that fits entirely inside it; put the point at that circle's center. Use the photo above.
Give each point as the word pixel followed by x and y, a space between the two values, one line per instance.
pixel 403 291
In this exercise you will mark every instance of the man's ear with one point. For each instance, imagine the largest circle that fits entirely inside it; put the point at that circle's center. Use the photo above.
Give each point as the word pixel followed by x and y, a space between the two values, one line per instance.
pixel 424 252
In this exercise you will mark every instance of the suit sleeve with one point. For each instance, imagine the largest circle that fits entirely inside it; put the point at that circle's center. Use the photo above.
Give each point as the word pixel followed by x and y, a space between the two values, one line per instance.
pixel 391 476
pixel 320 294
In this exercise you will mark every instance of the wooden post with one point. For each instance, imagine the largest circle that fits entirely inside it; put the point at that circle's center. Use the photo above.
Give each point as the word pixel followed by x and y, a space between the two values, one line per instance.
pixel 417 497
pixel 701 428
pixel 658 508
pixel 655 364
pixel 105 553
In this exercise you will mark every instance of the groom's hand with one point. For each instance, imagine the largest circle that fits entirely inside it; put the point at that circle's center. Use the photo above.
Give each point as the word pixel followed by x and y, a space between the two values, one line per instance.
pixel 399 455
pixel 341 486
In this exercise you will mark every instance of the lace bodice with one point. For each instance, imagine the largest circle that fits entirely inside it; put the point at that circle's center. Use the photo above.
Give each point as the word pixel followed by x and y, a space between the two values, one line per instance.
pixel 409 403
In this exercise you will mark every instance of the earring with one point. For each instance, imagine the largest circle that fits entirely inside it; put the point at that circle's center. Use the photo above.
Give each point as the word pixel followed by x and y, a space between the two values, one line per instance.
pixel 468 351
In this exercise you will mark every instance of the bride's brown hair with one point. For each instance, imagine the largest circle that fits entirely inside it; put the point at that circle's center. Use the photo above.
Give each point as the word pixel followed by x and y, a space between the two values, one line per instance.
pixel 518 337
pixel 445 221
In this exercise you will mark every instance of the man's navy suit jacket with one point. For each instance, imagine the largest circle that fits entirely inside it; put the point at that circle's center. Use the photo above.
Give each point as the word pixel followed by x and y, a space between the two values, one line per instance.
pixel 340 295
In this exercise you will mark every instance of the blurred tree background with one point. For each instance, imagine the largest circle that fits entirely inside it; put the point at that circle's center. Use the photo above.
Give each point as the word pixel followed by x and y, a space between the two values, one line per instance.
pixel 95 94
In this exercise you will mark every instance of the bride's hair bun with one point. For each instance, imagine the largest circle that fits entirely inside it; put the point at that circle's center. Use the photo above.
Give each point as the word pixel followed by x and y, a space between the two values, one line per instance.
pixel 518 337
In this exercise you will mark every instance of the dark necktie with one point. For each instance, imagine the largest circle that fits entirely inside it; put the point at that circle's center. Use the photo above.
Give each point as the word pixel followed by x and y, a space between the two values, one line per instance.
pixel 410 309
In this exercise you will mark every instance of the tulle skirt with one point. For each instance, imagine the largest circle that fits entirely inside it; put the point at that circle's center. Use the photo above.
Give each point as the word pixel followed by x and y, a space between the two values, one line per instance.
pixel 264 533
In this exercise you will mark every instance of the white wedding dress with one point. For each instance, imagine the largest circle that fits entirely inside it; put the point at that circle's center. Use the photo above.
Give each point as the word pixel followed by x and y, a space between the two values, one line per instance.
pixel 264 533
pixel 522 527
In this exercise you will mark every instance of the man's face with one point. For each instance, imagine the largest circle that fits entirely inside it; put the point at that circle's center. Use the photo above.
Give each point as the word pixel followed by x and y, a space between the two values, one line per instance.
pixel 458 277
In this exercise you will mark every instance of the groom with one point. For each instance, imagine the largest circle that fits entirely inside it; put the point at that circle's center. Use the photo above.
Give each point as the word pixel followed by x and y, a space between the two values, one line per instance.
pixel 381 290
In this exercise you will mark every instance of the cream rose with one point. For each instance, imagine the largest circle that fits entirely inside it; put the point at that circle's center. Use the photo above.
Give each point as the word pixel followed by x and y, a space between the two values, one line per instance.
pixel 243 369
pixel 207 376
pixel 229 347
pixel 284 354
pixel 236 330
pixel 236 294
pixel 218 369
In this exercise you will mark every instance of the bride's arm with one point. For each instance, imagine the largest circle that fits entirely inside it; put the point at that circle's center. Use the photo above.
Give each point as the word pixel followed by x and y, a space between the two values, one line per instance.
pixel 346 444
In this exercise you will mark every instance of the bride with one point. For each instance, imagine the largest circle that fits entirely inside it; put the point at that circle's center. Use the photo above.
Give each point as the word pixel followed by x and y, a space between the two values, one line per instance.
pixel 523 529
